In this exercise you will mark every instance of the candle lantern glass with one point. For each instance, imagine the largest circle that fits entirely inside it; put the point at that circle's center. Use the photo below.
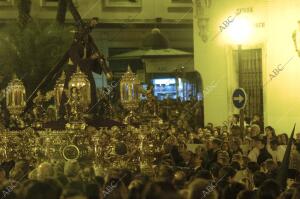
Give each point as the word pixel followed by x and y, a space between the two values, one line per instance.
pixel 81 82
pixel 129 89
pixel 15 97
pixel 58 91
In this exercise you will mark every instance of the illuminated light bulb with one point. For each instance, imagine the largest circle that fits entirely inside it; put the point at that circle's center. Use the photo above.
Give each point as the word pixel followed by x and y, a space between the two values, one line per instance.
pixel 239 30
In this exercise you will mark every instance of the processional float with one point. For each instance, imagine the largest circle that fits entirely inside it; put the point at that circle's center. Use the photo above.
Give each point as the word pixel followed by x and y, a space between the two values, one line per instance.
pixel 135 147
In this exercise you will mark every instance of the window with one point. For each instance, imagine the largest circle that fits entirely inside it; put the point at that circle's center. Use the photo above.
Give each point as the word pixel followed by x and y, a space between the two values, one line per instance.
pixel 122 3
pixel 49 3
pixel 6 2
pixel 181 3
pixel 250 78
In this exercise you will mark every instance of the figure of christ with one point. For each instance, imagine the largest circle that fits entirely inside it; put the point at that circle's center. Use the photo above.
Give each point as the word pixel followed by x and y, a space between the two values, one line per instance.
pixel 81 55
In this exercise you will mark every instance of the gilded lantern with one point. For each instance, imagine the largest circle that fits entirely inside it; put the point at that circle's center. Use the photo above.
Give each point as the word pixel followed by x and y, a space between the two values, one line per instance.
pixel 81 82
pixel 58 90
pixel 15 96
pixel 129 89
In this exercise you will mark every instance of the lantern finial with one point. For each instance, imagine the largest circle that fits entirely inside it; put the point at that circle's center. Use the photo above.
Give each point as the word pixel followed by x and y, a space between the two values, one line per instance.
pixel 63 76
pixel 78 69
pixel 129 69
pixel 14 76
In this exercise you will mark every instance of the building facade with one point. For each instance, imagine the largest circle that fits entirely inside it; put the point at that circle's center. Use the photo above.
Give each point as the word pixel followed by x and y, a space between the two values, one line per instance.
pixel 123 23
pixel 250 44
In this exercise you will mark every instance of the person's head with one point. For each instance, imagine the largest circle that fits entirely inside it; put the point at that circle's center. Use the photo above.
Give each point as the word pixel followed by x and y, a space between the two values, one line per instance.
pixel 44 171
pixel 252 167
pixel 210 125
pixel 235 165
pixel 40 190
pixel 235 146
pixel 223 157
pixel 215 170
pixel 237 158
pixel 270 132
pixel 216 133
pixel 87 174
pixel 235 118
pixel 260 143
pixel 283 139
pixel 231 192
pixel 216 143
pixel 160 190
pixel 236 131
pixel 74 90
pixel 59 168
pixel 165 173
pixel 270 165
pixel 74 190
pixel 258 178
pixel 173 130
pixel 245 160
pixel 298 137
pixel 200 151
pixel 92 191
pixel 287 194
pixel 204 174
pixel 93 22
pixel 274 144
pixel 247 141
pixel 255 130
pixel 136 188
pixel 179 179
pixel 200 132
pixel 33 174
pixel 296 193
pixel 225 146
pixel 292 177
pixel 256 118
pixel 246 194
pixel 19 171
pixel 2 175
pixel 56 186
pixel 71 169
pixel 199 189
pixel 227 174
pixel 269 189
pixel 209 143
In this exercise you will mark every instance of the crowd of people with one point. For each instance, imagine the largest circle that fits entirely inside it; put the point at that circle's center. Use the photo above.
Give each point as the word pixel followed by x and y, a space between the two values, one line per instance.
pixel 214 162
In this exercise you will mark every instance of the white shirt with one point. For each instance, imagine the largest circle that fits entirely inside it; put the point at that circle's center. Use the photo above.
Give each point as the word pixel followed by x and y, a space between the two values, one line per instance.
pixel 278 154
pixel 253 154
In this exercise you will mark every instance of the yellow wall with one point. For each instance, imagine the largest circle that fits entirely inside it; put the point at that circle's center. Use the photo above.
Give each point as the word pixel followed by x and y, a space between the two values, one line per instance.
pixel 169 64
pixel 213 59
pixel 149 10
pixel 130 36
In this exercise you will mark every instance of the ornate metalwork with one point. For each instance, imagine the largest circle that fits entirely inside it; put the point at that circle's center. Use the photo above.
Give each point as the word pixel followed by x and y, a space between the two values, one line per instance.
pixel 15 96
pixel 58 91
pixel 15 101
pixel 80 81
pixel 39 112
pixel 130 96
pixel 202 18
pixel 79 100
pixel 71 152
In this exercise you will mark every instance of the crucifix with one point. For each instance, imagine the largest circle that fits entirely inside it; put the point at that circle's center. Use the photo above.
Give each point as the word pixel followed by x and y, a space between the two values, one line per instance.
pixel 83 53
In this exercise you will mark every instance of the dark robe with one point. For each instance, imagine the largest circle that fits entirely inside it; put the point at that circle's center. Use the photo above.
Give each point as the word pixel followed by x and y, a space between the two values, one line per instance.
pixel 263 155
pixel 86 65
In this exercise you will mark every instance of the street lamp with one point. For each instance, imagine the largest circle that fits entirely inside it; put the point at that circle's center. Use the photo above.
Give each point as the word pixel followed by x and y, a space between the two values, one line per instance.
pixel 238 33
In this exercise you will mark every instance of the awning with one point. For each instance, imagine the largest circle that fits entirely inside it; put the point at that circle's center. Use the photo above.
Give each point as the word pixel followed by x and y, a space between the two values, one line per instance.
pixel 150 53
